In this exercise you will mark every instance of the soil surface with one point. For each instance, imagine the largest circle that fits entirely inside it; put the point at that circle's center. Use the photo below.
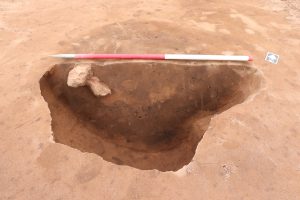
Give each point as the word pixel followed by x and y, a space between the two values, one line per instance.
pixel 242 142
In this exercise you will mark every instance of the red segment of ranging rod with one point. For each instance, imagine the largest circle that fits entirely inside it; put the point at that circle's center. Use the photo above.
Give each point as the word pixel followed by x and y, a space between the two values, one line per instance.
pixel 121 56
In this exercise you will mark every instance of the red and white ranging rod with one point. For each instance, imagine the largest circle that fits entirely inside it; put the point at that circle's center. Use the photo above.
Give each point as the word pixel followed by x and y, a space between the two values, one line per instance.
pixel 156 57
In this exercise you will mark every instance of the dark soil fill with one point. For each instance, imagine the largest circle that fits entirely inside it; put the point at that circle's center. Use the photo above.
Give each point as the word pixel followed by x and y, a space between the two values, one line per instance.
pixel 157 112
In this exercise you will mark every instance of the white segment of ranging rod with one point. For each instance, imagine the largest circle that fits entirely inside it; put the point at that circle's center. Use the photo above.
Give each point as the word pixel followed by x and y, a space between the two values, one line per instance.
pixel 206 57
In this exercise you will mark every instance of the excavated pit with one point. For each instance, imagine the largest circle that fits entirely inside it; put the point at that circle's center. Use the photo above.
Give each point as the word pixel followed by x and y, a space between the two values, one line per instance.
pixel 157 112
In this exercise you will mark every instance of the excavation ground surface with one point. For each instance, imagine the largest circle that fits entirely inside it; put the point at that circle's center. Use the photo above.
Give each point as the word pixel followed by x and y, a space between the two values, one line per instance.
pixel 169 130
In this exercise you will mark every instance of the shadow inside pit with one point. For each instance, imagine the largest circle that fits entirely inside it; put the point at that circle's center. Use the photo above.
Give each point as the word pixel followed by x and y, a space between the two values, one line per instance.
pixel 157 112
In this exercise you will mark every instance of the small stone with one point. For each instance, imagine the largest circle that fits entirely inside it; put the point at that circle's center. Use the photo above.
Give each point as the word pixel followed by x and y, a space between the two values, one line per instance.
pixel 98 88
pixel 79 75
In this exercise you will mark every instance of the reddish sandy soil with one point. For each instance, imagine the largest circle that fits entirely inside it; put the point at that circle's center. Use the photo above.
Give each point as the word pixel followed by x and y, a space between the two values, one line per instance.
pixel 251 150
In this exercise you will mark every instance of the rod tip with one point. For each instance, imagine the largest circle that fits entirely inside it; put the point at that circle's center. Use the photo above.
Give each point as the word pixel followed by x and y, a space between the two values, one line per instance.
pixel 63 56
pixel 55 56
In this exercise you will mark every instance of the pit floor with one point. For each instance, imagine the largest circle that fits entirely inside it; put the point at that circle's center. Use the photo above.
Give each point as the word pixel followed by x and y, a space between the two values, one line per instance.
pixel 157 113
pixel 251 151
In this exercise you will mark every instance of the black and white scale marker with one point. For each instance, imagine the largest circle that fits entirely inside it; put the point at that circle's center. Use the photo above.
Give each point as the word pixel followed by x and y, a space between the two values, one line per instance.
pixel 272 58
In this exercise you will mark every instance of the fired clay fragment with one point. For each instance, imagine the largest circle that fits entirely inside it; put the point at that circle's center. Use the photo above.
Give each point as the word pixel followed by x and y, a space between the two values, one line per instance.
pixel 82 75
pixel 79 74
pixel 98 88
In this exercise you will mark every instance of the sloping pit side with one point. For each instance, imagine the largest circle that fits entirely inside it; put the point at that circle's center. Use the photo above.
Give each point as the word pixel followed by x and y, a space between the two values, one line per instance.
pixel 157 112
